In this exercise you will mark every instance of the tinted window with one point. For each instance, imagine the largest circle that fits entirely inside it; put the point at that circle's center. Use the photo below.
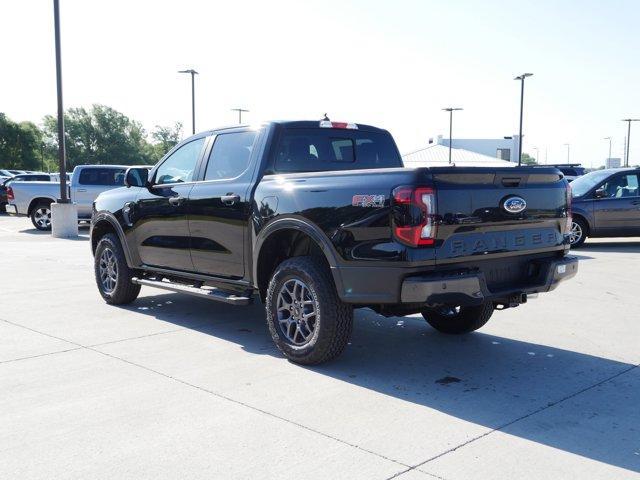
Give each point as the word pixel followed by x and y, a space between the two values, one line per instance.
pixel 102 176
pixel 319 149
pixel 621 186
pixel 180 166
pixel 570 172
pixel 230 155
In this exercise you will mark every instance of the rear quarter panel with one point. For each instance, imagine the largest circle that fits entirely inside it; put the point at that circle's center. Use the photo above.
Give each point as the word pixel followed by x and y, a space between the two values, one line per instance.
pixel 359 233
pixel 25 192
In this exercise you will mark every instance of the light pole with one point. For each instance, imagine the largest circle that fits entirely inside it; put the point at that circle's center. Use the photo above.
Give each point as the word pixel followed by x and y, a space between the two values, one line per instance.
pixel 568 147
pixel 62 153
pixel 521 78
pixel 537 154
pixel 193 73
pixel 628 120
pixel 608 138
pixel 239 110
pixel 451 110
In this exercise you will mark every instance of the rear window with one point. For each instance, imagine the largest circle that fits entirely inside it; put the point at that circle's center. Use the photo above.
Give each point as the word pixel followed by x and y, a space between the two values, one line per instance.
pixel 322 149
pixel 102 176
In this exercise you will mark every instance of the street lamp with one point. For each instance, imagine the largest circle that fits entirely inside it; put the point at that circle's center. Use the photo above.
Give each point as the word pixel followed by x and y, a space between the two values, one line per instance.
pixel 628 120
pixel 193 73
pixel 62 154
pixel 537 153
pixel 239 110
pixel 568 147
pixel 451 110
pixel 608 138
pixel 521 78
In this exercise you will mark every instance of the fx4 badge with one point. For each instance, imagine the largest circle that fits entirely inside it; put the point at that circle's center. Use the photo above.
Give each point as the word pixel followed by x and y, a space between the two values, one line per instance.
pixel 376 201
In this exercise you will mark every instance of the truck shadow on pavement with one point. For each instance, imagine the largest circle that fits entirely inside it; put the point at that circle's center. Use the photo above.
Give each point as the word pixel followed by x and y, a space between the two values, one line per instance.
pixel 492 381
pixel 613 247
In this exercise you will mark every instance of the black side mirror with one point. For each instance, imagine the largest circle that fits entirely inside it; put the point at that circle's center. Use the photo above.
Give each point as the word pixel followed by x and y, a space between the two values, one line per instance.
pixel 136 177
pixel 600 193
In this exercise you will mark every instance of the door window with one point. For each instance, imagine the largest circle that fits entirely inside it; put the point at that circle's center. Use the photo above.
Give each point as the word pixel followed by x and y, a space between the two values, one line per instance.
pixel 181 164
pixel 230 155
pixel 621 186
pixel 101 176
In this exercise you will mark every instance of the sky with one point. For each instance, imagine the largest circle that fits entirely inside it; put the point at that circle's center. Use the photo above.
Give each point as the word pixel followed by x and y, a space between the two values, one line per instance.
pixel 392 64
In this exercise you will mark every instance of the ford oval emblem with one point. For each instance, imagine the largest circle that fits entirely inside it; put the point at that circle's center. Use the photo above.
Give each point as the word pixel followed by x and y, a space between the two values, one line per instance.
pixel 514 204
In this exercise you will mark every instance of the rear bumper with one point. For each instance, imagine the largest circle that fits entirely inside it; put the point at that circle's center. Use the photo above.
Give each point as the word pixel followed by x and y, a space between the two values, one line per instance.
pixel 11 208
pixel 471 288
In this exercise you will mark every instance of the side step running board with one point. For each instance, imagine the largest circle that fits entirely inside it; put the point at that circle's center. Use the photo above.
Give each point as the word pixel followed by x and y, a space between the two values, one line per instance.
pixel 209 293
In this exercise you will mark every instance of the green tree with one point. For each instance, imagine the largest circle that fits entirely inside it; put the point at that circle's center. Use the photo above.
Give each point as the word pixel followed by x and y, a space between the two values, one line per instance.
pixel 528 159
pixel 165 138
pixel 21 145
pixel 100 135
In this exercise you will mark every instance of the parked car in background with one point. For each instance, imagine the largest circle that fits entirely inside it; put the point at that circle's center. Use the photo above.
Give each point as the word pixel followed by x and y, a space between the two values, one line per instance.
pixel 11 173
pixel 571 171
pixel 87 182
pixel 25 177
pixel 606 203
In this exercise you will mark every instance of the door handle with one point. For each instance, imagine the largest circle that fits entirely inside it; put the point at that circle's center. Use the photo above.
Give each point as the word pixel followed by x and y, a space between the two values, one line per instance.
pixel 81 190
pixel 230 198
pixel 176 200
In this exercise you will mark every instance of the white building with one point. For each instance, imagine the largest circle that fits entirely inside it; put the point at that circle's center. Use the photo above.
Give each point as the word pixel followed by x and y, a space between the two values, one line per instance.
pixel 505 148
pixel 613 163
pixel 438 155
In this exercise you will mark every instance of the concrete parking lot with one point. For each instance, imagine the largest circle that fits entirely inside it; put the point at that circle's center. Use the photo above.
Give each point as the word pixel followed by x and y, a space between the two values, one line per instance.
pixel 177 387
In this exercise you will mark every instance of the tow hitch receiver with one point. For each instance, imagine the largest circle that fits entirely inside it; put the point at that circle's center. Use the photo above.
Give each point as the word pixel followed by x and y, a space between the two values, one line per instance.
pixel 511 301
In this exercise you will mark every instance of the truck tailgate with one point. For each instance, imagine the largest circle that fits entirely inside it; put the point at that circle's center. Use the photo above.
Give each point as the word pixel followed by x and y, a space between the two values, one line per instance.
pixel 487 213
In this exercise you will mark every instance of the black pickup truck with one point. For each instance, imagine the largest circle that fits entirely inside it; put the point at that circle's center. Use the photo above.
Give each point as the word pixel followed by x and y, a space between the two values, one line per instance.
pixel 319 218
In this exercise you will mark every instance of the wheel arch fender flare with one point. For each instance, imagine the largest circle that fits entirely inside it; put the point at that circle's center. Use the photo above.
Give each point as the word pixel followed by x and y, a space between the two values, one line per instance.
pixel 108 217
pixel 313 231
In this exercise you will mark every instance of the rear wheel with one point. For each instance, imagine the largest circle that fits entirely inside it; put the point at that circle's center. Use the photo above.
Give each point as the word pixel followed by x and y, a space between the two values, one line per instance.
pixel 307 320
pixel 456 320
pixel 41 216
pixel 578 233
pixel 113 275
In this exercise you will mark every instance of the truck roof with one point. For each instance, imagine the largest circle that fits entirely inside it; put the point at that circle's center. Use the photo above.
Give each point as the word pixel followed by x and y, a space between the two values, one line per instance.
pixel 290 124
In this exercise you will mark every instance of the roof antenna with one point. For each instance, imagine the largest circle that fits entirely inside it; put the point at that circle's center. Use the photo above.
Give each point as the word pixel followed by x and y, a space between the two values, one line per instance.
pixel 326 119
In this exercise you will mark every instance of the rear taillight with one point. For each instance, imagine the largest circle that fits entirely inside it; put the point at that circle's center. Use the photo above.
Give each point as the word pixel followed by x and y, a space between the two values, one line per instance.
pixel 569 216
pixel 414 215
pixel 10 194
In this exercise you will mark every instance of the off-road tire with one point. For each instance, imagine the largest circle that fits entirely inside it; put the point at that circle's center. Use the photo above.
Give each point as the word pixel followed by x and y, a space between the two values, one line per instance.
pixel 584 228
pixel 334 319
pixel 125 291
pixel 34 215
pixel 466 320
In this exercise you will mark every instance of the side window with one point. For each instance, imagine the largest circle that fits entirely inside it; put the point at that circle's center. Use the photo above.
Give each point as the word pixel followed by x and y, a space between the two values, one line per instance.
pixel 180 166
pixel 230 155
pixel 102 176
pixel 621 186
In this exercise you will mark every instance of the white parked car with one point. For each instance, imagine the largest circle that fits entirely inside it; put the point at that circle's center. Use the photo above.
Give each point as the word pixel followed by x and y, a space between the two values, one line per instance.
pixel 87 182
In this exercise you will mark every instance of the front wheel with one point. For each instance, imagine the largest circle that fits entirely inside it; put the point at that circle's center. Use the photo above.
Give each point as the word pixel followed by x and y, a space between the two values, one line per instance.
pixel 113 275
pixel 41 216
pixel 458 320
pixel 307 320
pixel 578 233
